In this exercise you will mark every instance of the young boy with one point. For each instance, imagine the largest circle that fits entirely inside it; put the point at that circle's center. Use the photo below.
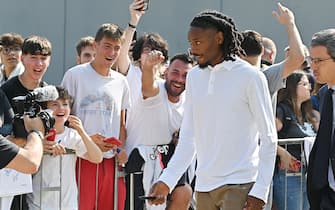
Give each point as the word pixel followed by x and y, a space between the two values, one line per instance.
pixel 72 137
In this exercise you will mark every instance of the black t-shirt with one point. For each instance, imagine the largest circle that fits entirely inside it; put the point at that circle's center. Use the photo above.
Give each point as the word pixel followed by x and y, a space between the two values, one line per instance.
pixel 13 88
pixel 8 151
pixel 291 128
pixel 6 115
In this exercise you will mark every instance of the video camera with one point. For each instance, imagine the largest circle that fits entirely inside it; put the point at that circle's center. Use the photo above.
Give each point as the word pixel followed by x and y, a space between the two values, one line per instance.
pixel 29 105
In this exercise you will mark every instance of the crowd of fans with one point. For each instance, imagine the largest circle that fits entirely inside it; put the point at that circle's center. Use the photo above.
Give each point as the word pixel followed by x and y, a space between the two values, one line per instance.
pixel 134 129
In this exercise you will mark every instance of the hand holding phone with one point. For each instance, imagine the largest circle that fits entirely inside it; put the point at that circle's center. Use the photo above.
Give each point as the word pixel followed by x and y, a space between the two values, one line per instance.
pixel 145 5
pixel 51 135
pixel 143 197
pixel 297 165
pixel 113 140
pixel 67 123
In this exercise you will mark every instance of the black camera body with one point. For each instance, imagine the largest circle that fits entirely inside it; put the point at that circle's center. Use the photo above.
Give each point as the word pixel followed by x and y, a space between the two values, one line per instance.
pixel 27 105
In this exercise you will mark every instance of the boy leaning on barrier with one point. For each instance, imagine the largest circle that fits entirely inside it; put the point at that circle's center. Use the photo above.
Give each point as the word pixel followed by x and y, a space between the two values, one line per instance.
pixel 58 169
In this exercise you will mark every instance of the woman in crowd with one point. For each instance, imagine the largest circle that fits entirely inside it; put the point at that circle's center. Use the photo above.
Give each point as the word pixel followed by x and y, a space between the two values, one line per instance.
pixel 295 118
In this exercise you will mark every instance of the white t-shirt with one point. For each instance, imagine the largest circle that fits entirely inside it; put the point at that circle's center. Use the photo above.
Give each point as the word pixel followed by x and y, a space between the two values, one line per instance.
pixel 19 69
pixel 98 100
pixel 153 120
pixel 50 171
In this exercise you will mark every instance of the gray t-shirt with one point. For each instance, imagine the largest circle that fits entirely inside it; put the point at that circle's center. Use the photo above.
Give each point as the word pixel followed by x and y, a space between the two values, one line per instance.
pixel 274 76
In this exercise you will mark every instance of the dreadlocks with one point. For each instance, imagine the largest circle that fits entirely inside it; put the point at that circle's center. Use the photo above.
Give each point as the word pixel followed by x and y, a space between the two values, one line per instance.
pixel 232 38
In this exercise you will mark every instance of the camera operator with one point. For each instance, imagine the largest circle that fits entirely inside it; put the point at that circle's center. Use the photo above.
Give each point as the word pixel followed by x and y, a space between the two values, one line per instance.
pixel 36 54
pixel 28 158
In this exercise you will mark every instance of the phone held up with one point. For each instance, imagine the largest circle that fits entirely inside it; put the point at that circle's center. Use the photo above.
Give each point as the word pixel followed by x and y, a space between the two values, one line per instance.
pixel 145 5
pixel 114 141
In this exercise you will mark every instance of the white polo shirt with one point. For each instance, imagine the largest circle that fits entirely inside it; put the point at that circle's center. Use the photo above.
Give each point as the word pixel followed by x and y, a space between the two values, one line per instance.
pixel 227 112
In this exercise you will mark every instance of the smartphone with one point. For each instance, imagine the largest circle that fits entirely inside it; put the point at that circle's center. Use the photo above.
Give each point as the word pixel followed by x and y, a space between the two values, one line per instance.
pixel 52 136
pixel 113 140
pixel 143 197
pixel 297 165
pixel 145 6
pixel 67 123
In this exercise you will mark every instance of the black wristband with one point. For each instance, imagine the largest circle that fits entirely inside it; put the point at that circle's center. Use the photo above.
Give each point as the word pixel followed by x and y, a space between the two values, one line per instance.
pixel 37 132
pixel 131 26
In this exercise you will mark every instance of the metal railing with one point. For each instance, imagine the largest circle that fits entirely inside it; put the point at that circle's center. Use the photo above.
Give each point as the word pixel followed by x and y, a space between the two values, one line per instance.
pixel 305 145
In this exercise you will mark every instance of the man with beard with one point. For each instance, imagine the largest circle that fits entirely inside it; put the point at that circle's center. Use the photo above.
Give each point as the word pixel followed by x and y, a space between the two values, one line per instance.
pixel 155 118
pixel 157 105
pixel 228 123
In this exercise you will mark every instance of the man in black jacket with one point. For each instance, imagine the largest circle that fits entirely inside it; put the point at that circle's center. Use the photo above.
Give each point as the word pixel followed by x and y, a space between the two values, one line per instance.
pixel 320 176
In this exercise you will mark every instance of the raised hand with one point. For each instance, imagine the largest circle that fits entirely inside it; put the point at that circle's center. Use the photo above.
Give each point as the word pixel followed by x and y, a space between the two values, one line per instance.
pixel 136 12
pixel 152 59
pixel 285 15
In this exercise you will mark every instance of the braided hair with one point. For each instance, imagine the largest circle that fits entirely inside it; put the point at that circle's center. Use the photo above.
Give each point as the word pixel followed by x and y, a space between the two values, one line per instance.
pixel 231 45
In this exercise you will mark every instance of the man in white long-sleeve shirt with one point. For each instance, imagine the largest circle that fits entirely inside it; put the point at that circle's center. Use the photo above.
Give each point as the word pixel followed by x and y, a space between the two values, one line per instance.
pixel 228 123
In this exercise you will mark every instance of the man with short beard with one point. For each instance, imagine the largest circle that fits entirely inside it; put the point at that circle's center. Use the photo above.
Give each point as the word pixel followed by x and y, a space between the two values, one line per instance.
pixel 157 105
pixel 156 116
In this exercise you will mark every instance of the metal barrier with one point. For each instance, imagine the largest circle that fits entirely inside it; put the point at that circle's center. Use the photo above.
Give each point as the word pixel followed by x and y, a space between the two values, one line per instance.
pixel 53 188
pixel 43 189
pixel 305 147
pixel 48 189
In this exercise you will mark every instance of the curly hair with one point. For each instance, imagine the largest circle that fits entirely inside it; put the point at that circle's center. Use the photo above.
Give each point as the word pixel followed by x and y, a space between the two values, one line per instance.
pixel 231 45
pixel 152 40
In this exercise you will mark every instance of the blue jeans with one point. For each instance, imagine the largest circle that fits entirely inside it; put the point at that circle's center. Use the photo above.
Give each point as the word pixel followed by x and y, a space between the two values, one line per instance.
pixel 290 191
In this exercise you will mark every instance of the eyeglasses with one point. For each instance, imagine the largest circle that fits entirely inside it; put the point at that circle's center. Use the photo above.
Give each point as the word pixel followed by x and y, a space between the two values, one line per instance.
pixel 317 61
pixel 7 50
